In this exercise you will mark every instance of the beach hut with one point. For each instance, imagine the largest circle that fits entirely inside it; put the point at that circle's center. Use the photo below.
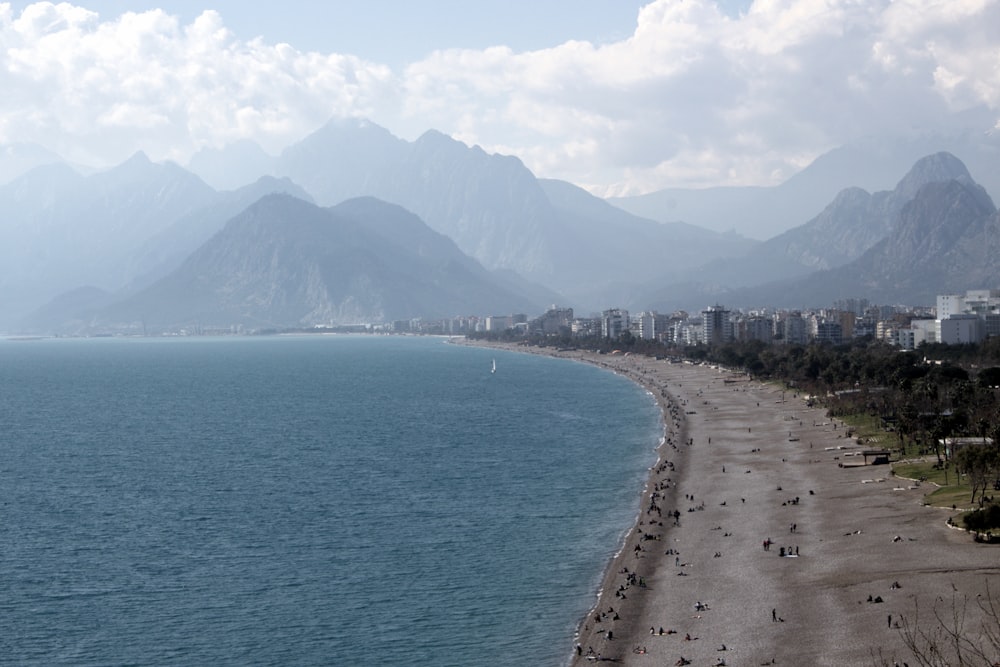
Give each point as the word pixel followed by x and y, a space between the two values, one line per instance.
pixel 878 456
pixel 951 446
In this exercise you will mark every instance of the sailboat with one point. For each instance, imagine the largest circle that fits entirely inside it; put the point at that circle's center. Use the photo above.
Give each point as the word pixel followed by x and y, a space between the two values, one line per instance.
pixel 494 369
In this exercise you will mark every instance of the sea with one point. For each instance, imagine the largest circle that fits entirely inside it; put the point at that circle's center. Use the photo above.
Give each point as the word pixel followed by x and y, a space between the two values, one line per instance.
pixel 308 500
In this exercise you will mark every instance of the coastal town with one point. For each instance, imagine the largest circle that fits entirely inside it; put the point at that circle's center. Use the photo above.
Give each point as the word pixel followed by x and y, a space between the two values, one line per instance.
pixel 954 319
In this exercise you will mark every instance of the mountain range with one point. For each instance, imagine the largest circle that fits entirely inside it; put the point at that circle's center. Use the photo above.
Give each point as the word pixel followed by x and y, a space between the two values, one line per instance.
pixel 873 164
pixel 286 262
pixel 353 224
pixel 497 211
pixel 945 241
pixel 935 233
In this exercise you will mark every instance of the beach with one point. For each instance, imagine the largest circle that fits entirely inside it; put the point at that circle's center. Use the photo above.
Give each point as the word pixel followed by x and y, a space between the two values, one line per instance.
pixel 763 538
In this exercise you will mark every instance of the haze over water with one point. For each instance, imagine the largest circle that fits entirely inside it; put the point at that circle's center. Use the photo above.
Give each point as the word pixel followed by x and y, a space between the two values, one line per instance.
pixel 358 500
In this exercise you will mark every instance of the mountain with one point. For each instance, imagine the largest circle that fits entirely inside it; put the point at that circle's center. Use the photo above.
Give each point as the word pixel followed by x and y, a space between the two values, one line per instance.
pixel 122 228
pixel 926 236
pixel 872 164
pixel 125 231
pixel 62 230
pixel 164 251
pixel 498 212
pixel 284 262
pixel 945 241
pixel 851 224
pixel 344 158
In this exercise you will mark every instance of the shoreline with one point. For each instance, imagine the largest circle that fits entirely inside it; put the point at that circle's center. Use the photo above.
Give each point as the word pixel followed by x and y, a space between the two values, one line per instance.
pixel 743 463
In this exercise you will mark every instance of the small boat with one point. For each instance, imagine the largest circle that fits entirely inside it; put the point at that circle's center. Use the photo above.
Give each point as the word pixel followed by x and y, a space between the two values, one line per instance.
pixel 494 369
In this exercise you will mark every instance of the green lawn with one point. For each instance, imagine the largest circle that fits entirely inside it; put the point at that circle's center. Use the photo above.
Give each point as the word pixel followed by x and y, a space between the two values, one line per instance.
pixel 948 491
pixel 943 488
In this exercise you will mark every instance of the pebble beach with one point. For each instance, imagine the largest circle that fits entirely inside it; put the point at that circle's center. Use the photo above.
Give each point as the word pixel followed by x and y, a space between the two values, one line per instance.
pixel 763 538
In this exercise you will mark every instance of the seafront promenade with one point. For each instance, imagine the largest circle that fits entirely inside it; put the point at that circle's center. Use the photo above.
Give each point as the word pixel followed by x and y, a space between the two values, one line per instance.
pixel 760 539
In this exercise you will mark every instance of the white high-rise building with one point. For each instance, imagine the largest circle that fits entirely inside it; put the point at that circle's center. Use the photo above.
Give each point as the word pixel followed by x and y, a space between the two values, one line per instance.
pixel 950 304
pixel 645 324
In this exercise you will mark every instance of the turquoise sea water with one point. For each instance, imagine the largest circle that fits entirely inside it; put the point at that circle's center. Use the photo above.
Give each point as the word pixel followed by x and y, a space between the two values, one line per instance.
pixel 307 501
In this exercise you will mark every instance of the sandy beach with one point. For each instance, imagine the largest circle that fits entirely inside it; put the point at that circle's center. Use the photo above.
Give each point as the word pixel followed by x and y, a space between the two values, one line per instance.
pixel 743 464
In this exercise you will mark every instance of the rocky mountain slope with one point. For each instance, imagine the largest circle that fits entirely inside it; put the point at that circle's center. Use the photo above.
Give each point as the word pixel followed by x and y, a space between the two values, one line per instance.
pixel 284 262
pixel 851 224
pixel 498 212
pixel 62 230
pixel 112 230
pixel 945 240
pixel 928 235
pixel 871 163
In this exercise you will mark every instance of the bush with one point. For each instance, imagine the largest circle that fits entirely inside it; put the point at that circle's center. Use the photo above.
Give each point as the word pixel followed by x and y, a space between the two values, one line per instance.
pixel 986 519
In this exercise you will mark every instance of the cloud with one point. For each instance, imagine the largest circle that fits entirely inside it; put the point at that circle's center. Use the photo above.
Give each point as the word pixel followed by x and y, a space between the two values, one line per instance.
pixel 697 97
pixel 96 91
pixel 693 96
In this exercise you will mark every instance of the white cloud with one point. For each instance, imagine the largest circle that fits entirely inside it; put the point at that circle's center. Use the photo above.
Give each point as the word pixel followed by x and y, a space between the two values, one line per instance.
pixel 692 97
pixel 697 97
pixel 97 91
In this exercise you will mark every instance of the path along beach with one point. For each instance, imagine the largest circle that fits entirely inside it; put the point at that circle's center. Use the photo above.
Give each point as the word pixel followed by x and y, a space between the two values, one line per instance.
pixel 751 472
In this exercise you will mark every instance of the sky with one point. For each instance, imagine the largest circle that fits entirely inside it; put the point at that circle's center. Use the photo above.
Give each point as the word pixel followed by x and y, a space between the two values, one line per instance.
pixel 617 96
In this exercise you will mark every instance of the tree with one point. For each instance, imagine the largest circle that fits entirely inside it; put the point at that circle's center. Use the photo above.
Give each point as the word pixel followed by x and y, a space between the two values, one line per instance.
pixel 978 463
pixel 989 377
pixel 960 633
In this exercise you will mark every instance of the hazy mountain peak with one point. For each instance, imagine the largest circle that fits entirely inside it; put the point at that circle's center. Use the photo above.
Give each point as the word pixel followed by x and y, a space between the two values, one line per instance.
pixel 269 184
pixel 341 129
pixel 138 159
pixel 286 262
pixel 277 203
pixel 435 140
pixel 436 135
pixel 941 166
pixel 343 159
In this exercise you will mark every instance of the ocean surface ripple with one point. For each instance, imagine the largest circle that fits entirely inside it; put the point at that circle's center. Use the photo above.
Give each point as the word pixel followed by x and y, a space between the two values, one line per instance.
pixel 307 500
